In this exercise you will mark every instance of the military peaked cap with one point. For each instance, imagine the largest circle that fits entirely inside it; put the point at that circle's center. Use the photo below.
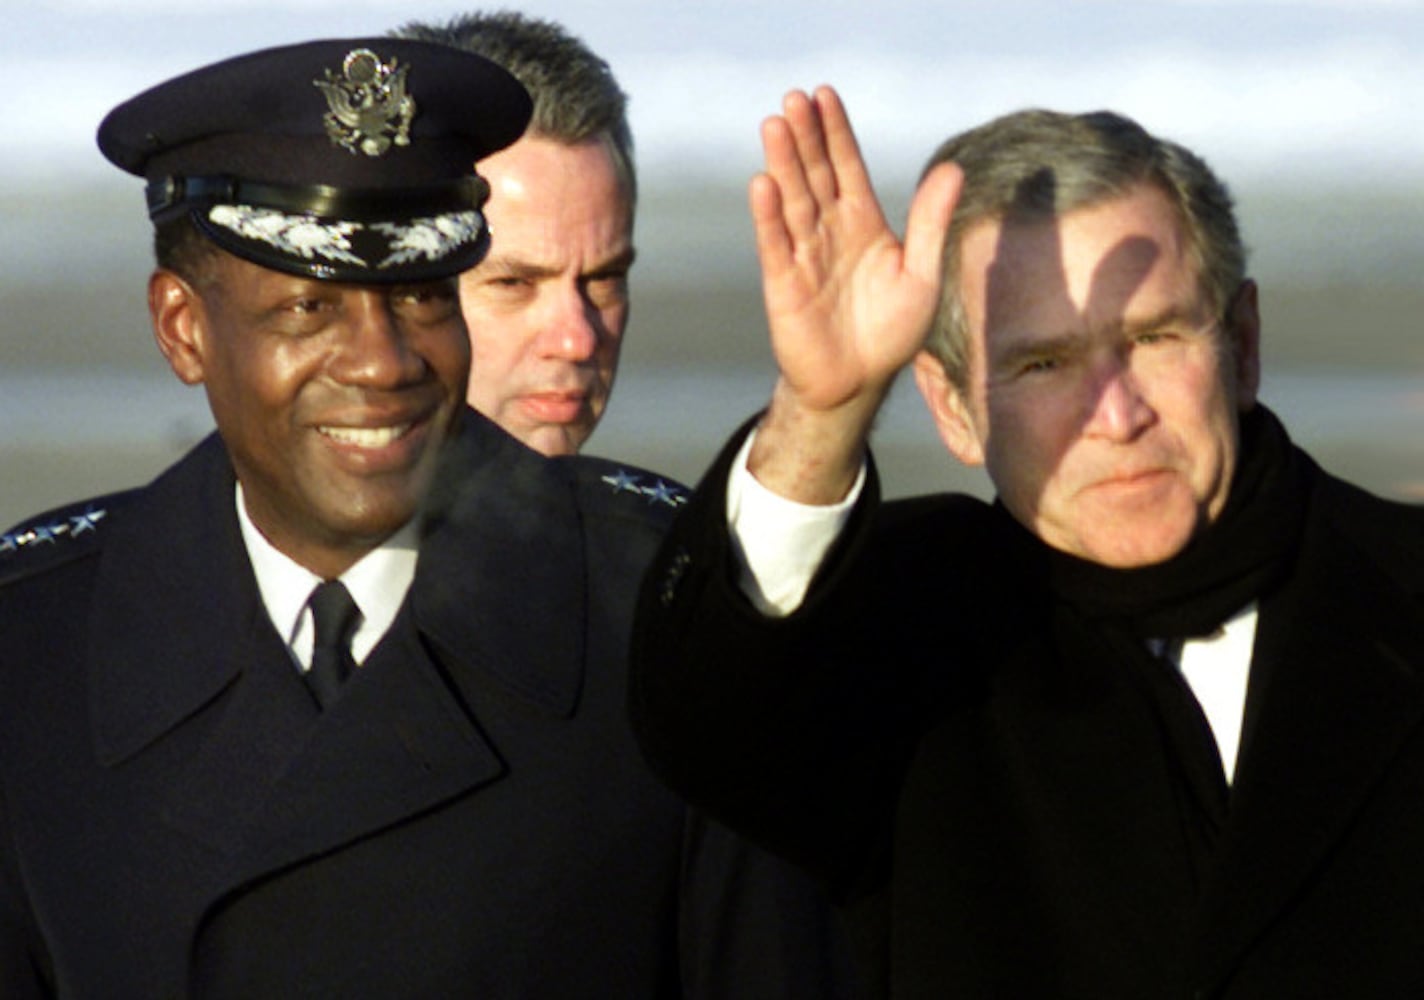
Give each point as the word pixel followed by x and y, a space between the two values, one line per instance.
pixel 343 159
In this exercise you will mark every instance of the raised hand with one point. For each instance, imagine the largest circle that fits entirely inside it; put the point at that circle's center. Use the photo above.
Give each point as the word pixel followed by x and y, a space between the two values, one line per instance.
pixel 847 303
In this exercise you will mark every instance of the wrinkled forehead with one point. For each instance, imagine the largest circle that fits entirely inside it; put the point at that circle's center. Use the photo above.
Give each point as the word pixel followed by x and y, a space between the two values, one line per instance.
pixel 1112 263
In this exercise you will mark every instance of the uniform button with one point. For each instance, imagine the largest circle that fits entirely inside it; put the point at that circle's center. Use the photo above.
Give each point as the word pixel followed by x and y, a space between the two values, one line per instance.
pixel 676 570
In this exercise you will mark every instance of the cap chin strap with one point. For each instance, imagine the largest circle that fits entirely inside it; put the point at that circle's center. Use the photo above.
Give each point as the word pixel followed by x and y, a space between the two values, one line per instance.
pixel 167 196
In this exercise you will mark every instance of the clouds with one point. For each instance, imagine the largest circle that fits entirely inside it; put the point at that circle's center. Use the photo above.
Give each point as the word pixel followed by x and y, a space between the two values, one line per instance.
pixel 1307 88
pixel 1327 108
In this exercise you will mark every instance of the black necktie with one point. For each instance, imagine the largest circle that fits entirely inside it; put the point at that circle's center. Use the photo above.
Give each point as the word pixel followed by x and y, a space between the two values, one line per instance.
pixel 334 618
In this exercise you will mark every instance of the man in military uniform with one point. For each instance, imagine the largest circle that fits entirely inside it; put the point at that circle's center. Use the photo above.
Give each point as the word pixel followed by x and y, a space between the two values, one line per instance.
pixel 335 706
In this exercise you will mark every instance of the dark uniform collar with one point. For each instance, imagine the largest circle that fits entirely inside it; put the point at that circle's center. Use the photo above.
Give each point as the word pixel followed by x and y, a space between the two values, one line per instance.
pixel 500 586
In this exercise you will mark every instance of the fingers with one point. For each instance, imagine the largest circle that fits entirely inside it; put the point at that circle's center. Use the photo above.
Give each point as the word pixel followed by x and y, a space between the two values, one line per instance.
pixel 849 177
pixel 803 116
pixel 773 243
pixel 930 212
pixel 812 154
pixel 815 202
pixel 785 168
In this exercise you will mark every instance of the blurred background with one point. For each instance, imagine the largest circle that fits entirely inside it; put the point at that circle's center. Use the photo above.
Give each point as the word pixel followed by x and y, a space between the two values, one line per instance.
pixel 1311 111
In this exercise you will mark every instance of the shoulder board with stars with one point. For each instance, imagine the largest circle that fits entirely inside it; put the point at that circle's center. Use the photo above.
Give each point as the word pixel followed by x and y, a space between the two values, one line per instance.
pixel 55 537
pixel 652 488
pixel 628 484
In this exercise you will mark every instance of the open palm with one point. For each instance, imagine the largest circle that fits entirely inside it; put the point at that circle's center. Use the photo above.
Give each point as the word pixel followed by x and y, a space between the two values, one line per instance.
pixel 847 303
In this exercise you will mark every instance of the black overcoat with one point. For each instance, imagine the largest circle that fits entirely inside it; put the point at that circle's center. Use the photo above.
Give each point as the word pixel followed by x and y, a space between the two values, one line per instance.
pixel 1011 807
pixel 470 819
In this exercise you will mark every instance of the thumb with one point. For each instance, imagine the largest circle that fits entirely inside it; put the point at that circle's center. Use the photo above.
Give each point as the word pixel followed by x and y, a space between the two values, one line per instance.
pixel 930 211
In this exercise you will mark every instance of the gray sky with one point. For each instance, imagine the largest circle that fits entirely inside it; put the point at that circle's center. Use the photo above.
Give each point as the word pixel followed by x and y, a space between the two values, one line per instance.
pixel 1265 90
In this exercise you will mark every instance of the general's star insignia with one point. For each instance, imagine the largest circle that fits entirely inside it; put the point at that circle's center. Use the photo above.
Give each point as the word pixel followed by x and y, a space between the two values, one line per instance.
pixel 50 533
pixel 622 482
pixel 663 493
pixel 88 521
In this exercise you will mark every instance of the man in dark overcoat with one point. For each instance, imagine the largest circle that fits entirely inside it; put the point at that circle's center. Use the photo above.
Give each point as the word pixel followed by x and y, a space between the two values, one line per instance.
pixel 336 706
pixel 1151 724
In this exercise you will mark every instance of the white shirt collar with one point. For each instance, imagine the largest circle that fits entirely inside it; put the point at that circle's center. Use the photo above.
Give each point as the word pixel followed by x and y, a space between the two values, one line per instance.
pixel 1217 667
pixel 378 583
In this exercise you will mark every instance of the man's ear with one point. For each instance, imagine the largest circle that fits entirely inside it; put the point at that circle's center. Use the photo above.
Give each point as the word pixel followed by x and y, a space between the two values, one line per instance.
pixel 949 410
pixel 176 310
pixel 1243 330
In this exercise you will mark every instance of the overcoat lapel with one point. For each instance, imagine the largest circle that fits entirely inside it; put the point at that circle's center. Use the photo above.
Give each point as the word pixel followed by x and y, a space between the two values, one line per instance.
pixel 161 646
pixel 502 559
pixel 1109 799
pixel 274 781
pixel 395 743
pixel 1341 649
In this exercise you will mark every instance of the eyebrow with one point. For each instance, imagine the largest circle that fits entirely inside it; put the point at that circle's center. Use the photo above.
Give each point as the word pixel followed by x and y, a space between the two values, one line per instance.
pixel 1017 353
pixel 618 262
pixel 521 268
pixel 1059 344
pixel 1165 317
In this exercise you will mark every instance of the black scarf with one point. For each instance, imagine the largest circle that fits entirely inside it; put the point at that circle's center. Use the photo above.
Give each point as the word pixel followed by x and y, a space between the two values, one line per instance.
pixel 1241 557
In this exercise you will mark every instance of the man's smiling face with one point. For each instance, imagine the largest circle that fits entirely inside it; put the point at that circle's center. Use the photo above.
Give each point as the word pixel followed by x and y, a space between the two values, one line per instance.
pixel 333 399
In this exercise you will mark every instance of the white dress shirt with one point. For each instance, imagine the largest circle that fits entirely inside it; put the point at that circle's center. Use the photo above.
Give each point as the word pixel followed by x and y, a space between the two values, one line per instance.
pixel 779 544
pixel 378 583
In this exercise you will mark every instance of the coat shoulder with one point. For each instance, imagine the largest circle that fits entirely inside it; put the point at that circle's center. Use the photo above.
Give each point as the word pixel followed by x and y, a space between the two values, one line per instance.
pixel 1391 531
pixel 58 537
pixel 623 492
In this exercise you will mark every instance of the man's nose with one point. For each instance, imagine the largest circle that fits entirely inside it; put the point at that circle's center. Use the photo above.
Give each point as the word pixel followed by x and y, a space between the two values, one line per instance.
pixel 1120 410
pixel 375 350
pixel 572 331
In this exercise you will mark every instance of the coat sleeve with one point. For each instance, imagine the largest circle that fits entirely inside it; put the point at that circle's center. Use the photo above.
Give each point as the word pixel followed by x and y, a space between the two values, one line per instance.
pixel 787 729
pixel 745 916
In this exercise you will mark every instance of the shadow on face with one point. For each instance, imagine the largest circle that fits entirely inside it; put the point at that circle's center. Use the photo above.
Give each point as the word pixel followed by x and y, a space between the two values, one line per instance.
pixel 1102 397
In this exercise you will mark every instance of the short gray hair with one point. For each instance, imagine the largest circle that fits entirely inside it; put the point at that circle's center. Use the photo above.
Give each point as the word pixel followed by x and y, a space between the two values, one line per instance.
pixel 576 97
pixel 1036 165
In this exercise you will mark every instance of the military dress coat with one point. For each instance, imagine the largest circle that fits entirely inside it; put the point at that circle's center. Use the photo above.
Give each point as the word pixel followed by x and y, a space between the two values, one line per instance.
pixel 1005 809
pixel 470 818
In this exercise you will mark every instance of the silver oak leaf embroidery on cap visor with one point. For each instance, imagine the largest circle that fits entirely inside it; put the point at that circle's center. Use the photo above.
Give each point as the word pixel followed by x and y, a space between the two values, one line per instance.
pixel 302 236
